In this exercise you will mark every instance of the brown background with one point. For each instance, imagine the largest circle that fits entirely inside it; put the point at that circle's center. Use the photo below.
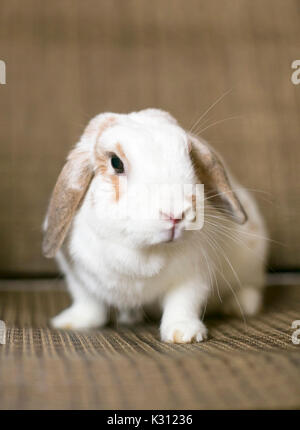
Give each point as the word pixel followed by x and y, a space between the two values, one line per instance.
pixel 68 60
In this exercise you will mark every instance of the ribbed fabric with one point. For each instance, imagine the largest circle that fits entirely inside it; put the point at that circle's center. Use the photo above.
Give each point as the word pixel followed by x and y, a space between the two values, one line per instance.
pixel 241 366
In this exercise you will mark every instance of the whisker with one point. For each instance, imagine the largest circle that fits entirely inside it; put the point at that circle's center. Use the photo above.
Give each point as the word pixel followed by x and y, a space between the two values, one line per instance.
pixel 209 271
pixel 237 279
pixel 217 285
pixel 239 242
pixel 210 108
pixel 237 190
pixel 271 202
pixel 241 231
pixel 204 310
pixel 218 122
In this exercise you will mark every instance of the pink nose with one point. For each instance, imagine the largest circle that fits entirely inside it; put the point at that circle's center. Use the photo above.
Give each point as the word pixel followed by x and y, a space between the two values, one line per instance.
pixel 170 217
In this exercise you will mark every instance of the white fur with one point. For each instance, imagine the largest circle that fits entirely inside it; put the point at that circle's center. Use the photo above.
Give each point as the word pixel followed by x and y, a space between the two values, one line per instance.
pixel 129 264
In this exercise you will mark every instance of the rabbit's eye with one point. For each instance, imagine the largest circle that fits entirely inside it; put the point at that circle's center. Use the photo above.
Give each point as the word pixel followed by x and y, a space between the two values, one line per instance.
pixel 117 164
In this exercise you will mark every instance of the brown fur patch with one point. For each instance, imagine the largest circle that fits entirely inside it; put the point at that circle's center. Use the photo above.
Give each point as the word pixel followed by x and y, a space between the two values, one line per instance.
pixel 70 190
pixel 210 170
pixel 121 152
pixel 67 196
pixel 115 179
pixel 116 185
pixel 102 159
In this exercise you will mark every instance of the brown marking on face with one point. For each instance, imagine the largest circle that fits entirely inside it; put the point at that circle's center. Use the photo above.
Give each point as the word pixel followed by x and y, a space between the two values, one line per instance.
pixel 121 153
pixel 115 181
pixel 102 159
pixel 114 178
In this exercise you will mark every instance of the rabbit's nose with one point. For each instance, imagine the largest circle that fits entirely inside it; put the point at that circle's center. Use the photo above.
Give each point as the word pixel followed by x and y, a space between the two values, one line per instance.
pixel 171 217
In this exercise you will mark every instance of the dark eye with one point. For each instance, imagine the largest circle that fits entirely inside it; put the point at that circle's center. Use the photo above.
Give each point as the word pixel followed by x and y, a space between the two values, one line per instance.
pixel 117 164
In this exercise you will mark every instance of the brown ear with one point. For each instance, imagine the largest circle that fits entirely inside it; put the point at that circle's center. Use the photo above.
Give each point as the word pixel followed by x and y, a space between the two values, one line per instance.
pixel 210 170
pixel 67 195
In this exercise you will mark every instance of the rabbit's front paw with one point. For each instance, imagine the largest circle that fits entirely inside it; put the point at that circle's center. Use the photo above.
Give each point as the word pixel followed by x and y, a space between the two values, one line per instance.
pixel 78 317
pixel 186 331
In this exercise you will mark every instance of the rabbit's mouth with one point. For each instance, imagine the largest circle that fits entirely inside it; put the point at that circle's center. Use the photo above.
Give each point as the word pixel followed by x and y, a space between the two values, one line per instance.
pixel 174 225
pixel 173 233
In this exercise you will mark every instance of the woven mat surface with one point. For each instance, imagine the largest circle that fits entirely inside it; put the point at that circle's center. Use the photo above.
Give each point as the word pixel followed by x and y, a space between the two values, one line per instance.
pixel 241 366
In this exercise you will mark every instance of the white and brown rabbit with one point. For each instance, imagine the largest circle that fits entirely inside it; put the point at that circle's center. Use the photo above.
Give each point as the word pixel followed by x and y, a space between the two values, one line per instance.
pixel 129 262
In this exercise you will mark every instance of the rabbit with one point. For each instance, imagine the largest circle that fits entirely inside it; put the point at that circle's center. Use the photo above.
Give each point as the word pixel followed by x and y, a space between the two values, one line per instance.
pixel 132 264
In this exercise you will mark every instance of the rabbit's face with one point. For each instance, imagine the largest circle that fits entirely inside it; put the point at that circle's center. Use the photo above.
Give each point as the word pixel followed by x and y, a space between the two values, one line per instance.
pixel 134 176
pixel 142 190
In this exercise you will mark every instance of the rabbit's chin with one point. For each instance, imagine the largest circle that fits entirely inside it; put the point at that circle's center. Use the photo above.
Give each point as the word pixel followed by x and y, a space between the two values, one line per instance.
pixel 172 236
pixel 165 237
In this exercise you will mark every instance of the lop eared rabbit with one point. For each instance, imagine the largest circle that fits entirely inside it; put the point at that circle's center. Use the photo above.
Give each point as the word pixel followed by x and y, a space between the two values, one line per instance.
pixel 131 263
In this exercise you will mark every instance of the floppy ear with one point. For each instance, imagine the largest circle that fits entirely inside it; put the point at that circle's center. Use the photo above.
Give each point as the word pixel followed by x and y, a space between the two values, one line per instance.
pixel 211 171
pixel 66 198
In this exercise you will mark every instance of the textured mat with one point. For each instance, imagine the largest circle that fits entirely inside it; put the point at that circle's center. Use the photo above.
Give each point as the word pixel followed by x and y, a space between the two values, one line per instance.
pixel 252 365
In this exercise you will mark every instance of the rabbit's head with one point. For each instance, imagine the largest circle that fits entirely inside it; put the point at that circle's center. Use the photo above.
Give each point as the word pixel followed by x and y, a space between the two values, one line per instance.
pixel 133 179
